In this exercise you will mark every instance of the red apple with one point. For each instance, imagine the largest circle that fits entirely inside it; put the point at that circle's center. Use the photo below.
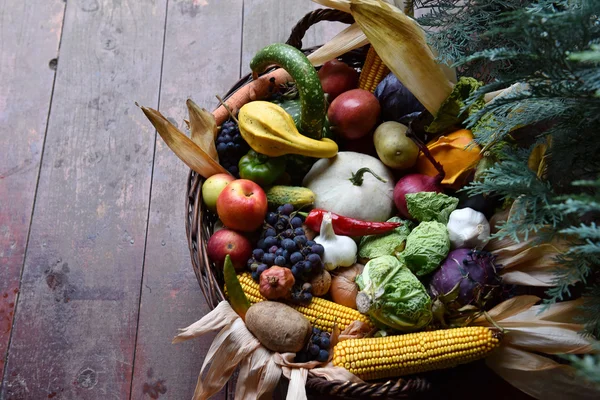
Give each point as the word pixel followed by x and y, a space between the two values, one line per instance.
pixel 354 113
pixel 212 188
pixel 226 241
pixel 242 205
pixel 337 77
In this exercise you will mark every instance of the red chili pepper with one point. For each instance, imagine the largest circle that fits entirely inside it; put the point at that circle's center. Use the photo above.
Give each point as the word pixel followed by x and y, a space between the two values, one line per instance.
pixel 348 226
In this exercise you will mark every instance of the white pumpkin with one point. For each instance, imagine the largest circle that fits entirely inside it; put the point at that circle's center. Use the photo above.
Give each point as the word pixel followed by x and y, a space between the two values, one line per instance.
pixel 331 179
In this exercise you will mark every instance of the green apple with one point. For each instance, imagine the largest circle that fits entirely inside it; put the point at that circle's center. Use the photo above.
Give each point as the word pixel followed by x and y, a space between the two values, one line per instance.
pixel 212 188
pixel 393 147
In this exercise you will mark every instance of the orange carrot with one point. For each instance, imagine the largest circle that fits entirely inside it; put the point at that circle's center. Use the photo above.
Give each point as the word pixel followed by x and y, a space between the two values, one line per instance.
pixel 255 90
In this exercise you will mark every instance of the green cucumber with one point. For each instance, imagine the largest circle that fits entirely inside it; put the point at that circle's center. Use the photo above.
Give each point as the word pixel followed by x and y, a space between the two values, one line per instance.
pixel 310 91
pixel 297 196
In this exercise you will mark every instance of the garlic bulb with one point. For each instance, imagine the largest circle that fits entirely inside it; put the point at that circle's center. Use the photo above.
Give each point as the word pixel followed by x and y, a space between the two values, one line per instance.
pixel 339 251
pixel 468 229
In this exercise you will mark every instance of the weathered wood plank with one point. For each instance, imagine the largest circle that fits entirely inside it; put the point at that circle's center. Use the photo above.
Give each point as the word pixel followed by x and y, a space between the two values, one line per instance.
pixel 271 21
pixel 74 332
pixel 202 58
pixel 29 39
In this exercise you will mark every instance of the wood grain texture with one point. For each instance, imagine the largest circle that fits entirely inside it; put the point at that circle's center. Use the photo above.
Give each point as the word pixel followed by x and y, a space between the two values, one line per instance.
pixel 271 21
pixel 29 39
pixel 200 61
pixel 74 332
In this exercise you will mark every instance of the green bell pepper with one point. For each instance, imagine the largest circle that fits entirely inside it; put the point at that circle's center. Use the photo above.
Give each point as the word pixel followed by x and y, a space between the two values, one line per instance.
pixel 261 169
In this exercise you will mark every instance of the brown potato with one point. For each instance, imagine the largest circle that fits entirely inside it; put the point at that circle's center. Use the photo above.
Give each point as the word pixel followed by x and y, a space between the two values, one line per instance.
pixel 278 326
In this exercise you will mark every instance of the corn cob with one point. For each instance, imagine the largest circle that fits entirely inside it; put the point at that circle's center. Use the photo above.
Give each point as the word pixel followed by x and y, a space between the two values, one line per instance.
pixel 320 312
pixel 391 356
pixel 373 71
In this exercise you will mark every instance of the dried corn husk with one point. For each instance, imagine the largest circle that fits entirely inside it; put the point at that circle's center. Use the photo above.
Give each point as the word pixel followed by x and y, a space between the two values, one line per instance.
pixel 349 39
pixel 188 151
pixel 540 329
pixel 401 44
pixel 203 128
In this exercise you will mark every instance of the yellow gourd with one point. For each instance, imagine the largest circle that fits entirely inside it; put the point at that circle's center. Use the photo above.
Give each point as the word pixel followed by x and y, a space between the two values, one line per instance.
pixel 269 130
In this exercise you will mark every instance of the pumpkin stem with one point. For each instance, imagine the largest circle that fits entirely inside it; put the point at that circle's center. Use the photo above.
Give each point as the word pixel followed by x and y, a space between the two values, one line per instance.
pixel 411 134
pixel 358 178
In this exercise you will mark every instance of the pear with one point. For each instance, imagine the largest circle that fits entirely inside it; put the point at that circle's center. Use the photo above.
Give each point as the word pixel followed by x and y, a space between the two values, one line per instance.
pixel 393 147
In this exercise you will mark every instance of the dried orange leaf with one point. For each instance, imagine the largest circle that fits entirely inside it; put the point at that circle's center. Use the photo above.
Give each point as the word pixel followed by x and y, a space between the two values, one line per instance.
pixel 184 147
pixel 203 128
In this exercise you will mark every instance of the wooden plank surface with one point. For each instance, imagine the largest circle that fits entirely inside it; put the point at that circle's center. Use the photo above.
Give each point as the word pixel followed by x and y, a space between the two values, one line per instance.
pixel 74 332
pixel 271 21
pixel 201 59
pixel 29 39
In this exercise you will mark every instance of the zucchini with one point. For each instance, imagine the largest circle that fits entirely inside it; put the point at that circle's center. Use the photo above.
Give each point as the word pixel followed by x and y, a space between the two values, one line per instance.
pixel 312 98
pixel 297 196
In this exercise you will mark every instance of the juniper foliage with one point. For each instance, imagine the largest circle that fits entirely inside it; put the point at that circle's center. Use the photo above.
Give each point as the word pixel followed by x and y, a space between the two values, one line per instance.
pixel 542 130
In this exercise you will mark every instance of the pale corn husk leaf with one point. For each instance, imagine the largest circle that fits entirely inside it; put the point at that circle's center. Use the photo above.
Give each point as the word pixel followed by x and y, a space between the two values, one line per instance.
pixel 203 128
pixel 349 39
pixel 297 387
pixel 508 308
pixel 332 373
pixel 269 379
pixel 529 277
pixel 401 44
pixel 251 374
pixel 228 349
pixel 222 316
pixel 538 376
pixel 356 330
pixel 192 155
pixel 546 328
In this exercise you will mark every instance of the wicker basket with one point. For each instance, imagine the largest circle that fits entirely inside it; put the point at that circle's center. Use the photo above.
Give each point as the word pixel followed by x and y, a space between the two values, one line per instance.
pixel 199 227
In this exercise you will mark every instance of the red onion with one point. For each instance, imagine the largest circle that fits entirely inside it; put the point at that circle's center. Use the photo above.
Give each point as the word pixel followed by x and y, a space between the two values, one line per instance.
pixel 414 183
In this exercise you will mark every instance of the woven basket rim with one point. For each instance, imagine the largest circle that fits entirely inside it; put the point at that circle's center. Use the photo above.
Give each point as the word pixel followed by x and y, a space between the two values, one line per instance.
pixel 200 223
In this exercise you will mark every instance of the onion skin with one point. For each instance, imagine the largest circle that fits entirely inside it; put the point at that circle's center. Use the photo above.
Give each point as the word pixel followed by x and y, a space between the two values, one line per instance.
pixel 413 183
pixel 321 283
pixel 343 288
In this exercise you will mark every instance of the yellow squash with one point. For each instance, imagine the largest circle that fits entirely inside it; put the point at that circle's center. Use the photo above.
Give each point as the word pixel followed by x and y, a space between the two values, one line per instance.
pixel 269 130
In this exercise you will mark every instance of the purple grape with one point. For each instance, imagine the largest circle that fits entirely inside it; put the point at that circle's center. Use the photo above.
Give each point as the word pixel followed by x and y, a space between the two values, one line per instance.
pixel 313 349
pixel 270 232
pixel 325 342
pixel 258 254
pixel 296 222
pixel 273 249
pixel 318 249
pixel 314 259
pixel 287 209
pixel 300 240
pixel 261 268
pixel 280 260
pixel 271 219
pixel 261 244
pixel 323 356
pixel 296 257
pixel 298 231
pixel 270 241
pixel 288 244
pixel 269 258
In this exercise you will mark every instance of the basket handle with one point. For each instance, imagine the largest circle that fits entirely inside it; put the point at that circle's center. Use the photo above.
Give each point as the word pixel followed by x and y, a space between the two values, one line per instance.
pixel 322 14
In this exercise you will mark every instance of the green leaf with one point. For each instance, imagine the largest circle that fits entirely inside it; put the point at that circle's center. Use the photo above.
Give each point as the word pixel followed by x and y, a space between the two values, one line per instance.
pixel 430 206
pixel 237 298
pixel 453 110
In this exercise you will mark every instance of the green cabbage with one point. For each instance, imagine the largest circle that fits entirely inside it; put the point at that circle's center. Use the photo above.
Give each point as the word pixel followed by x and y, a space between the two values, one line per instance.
pixel 387 244
pixel 426 247
pixel 430 206
pixel 392 296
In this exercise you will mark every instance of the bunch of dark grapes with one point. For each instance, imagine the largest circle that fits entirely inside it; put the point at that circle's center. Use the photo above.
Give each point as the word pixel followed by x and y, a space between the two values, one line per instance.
pixel 317 349
pixel 231 147
pixel 283 242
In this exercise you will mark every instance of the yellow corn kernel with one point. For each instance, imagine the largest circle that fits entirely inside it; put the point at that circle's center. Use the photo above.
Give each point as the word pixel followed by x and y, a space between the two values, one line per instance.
pixel 373 71
pixel 323 314
pixel 448 348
